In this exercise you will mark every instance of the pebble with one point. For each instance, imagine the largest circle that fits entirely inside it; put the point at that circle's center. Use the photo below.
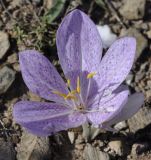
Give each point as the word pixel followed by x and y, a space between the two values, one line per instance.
pixel 4 44
pixel 37 2
pixel 139 148
pixel 148 93
pixel 143 66
pixel 32 147
pixel 16 67
pixel 79 139
pixel 139 76
pixel 133 9
pixel 116 146
pixel 149 83
pixel 12 58
pixel 120 125
pixel 140 120
pixel 148 33
pixel 79 146
pixel 71 136
pixel 48 4
pixel 7 77
pixel 92 153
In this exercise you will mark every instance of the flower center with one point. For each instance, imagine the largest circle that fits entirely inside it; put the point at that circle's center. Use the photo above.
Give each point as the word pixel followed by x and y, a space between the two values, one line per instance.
pixel 74 97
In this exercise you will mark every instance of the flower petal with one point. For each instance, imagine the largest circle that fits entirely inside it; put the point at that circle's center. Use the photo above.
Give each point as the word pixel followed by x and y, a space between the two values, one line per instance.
pixel 105 96
pixel 133 104
pixel 108 109
pixel 117 62
pixel 43 118
pixel 79 45
pixel 40 75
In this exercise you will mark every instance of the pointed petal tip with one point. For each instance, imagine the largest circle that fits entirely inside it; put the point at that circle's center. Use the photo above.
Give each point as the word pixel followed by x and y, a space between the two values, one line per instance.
pixel 128 40
pixel 76 11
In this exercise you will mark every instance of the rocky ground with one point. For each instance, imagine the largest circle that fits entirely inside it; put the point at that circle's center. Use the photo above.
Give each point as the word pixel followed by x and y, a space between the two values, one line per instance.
pixel 33 24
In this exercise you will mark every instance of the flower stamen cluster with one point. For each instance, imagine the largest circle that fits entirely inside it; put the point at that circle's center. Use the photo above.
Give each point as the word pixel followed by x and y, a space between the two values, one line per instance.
pixel 74 97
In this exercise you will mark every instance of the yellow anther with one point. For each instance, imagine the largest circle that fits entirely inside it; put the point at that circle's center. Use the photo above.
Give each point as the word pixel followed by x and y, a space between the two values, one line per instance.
pixel 59 94
pixel 68 82
pixel 78 85
pixel 91 75
pixel 70 96
pixel 73 92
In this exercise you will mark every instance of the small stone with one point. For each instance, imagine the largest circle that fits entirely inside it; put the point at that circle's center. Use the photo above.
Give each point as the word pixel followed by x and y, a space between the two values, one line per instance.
pixel 143 66
pixel 48 4
pixel 148 33
pixel 120 125
pixel 16 3
pixel 7 151
pixel 149 83
pixel 4 44
pixel 117 147
pixel 16 67
pixel 32 147
pixel 79 139
pixel 7 77
pixel 140 120
pixel 100 143
pixel 92 153
pixel 71 136
pixel 36 2
pixel 139 76
pixel 139 148
pixel 141 40
pixel 148 93
pixel 144 26
pixel 12 58
pixel 142 83
pixel 133 9
pixel 79 146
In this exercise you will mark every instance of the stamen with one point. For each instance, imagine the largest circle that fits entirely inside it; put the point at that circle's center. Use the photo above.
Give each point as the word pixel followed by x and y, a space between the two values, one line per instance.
pixel 91 75
pixel 70 96
pixel 78 85
pixel 59 94
pixel 73 92
pixel 68 82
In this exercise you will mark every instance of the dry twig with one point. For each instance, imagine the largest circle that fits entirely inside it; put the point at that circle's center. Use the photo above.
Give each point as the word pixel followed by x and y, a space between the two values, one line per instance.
pixel 114 11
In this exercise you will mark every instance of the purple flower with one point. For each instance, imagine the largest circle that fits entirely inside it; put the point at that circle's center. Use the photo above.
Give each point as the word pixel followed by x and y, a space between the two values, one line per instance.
pixel 93 92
